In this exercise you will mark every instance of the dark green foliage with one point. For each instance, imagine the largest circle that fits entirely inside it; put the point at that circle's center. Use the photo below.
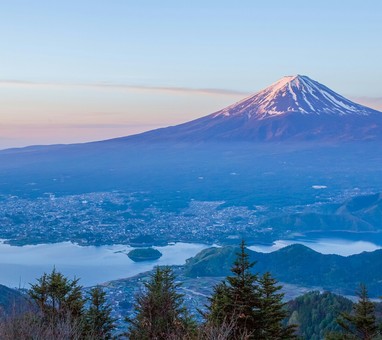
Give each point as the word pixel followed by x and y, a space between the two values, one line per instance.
pixel 211 262
pixel 378 314
pixel 242 296
pixel 56 311
pixel 272 311
pixel 218 308
pixel 57 296
pixel 160 313
pixel 301 265
pixel 316 313
pixel 99 323
pixel 252 307
pixel 361 323
pixel 145 254
pixel 235 301
pixel 61 308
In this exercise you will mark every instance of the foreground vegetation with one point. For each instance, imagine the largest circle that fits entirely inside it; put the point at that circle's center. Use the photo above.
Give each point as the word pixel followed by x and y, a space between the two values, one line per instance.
pixel 243 306
pixel 316 313
pixel 57 309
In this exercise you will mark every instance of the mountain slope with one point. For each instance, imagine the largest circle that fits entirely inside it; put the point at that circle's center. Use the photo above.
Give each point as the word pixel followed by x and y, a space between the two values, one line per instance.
pixel 298 264
pixel 11 301
pixel 295 108
pixel 295 94
pixel 361 213
pixel 316 313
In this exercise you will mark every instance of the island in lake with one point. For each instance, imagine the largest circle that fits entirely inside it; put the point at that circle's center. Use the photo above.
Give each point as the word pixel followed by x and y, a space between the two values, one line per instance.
pixel 144 254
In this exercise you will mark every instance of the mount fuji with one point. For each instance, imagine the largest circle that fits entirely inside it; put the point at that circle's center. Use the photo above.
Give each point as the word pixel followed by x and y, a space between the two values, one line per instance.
pixel 295 108
pixel 284 145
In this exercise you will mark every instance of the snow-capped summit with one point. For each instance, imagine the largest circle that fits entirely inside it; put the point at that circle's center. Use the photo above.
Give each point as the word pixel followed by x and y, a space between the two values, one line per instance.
pixel 295 108
pixel 295 94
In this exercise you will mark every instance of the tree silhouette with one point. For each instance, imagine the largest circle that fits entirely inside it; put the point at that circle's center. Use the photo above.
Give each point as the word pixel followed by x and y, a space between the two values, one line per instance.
pixel 361 323
pixel 272 311
pixel 99 323
pixel 160 313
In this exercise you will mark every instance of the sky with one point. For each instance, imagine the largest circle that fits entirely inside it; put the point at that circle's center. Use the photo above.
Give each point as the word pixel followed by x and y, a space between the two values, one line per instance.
pixel 83 70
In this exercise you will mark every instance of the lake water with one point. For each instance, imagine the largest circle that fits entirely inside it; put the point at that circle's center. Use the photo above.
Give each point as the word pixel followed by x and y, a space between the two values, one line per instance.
pixel 20 266
pixel 324 246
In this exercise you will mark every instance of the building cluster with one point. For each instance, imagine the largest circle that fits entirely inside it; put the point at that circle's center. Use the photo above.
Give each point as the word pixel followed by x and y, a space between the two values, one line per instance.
pixel 119 218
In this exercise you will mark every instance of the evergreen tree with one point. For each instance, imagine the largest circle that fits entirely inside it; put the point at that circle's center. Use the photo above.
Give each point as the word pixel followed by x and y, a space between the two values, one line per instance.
pixel 99 323
pixel 218 309
pixel 249 307
pixel 316 313
pixel 61 307
pixel 272 311
pixel 57 296
pixel 361 323
pixel 160 313
pixel 236 302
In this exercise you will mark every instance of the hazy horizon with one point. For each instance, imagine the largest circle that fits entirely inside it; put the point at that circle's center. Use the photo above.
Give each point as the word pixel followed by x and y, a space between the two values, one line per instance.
pixel 85 71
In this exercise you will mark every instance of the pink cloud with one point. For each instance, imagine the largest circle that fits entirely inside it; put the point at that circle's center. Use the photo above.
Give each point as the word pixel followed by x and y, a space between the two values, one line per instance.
pixel 116 86
pixel 373 102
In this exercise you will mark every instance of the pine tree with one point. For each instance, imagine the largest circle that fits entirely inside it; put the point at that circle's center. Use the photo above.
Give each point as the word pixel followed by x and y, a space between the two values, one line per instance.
pixel 272 311
pixel 99 323
pixel 61 307
pixel 218 309
pixel 57 296
pixel 361 323
pixel 160 313
pixel 236 302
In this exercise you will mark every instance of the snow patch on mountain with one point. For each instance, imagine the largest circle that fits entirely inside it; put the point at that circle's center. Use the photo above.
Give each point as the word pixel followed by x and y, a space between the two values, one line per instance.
pixel 294 94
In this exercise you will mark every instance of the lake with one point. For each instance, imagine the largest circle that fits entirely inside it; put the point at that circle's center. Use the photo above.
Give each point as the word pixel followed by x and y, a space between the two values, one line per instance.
pixel 335 242
pixel 323 246
pixel 20 266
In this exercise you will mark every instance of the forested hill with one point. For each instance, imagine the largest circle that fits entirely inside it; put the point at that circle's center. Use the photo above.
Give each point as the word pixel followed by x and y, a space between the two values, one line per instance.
pixel 11 300
pixel 300 265
pixel 316 313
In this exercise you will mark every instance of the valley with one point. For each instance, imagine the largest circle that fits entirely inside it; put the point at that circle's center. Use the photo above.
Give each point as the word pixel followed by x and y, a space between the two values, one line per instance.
pixel 255 194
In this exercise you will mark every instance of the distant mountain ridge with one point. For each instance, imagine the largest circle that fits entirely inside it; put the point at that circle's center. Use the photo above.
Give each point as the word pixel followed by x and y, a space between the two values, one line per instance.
pixel 298 264
pixel 358 214
pixel 295 108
